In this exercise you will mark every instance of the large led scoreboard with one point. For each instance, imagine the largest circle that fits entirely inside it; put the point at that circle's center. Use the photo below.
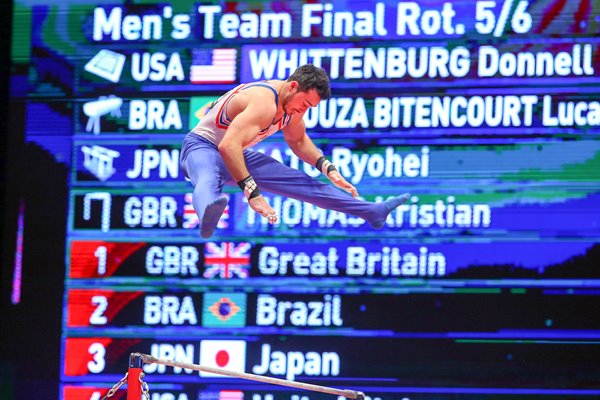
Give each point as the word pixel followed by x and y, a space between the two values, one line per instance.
pixel 482 286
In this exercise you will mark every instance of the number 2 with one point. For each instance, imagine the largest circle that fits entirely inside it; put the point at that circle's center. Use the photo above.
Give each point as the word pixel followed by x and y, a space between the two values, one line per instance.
pixel 97 317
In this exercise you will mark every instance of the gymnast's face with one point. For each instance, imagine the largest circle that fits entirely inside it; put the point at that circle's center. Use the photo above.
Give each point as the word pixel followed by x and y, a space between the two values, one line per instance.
pixel 297 102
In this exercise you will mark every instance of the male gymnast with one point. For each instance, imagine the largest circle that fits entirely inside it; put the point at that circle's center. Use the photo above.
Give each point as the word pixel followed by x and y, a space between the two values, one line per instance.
pixel 216 152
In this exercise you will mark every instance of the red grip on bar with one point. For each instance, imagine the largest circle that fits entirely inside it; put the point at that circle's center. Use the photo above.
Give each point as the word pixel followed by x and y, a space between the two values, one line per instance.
pixel 134 384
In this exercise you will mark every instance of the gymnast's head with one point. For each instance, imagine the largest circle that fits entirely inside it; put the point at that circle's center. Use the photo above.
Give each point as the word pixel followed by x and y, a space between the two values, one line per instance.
pixel 305 88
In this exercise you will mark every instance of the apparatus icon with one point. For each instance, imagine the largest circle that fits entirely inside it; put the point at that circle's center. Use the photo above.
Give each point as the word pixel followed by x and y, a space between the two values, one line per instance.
pixel 99 161
pixel 106 64
pixel 97 108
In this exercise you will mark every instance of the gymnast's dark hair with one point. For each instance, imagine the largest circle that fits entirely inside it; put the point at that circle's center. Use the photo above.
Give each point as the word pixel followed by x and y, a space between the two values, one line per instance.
pixel 310 77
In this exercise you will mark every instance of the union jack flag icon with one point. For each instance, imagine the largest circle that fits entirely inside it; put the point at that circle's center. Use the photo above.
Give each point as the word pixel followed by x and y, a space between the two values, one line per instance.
pixel 226 260
pixel 190 219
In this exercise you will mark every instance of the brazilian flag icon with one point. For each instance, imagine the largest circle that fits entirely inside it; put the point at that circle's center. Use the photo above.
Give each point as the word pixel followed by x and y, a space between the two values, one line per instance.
pixel 199 107
pixel 224 310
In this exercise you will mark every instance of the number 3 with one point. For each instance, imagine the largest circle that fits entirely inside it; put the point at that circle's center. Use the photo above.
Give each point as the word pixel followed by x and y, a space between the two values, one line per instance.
pixel 98 351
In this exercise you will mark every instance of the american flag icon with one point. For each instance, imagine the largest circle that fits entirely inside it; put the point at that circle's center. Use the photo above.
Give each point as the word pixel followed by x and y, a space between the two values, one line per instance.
pixel 213 66
pixel 231 395
pixel 226 260
pixel 190 218
pixel 222 395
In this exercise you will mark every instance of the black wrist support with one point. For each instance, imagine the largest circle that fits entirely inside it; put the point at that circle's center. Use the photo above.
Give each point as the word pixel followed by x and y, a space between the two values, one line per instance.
pixel 325 166
pixel 249 187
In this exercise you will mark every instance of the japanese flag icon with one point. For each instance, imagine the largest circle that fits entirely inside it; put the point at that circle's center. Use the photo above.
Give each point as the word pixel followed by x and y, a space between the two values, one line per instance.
pixel 225 354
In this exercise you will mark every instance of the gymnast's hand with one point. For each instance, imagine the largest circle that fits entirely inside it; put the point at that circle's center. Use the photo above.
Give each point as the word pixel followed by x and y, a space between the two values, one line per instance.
pixel 338 180
pixel 260 205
